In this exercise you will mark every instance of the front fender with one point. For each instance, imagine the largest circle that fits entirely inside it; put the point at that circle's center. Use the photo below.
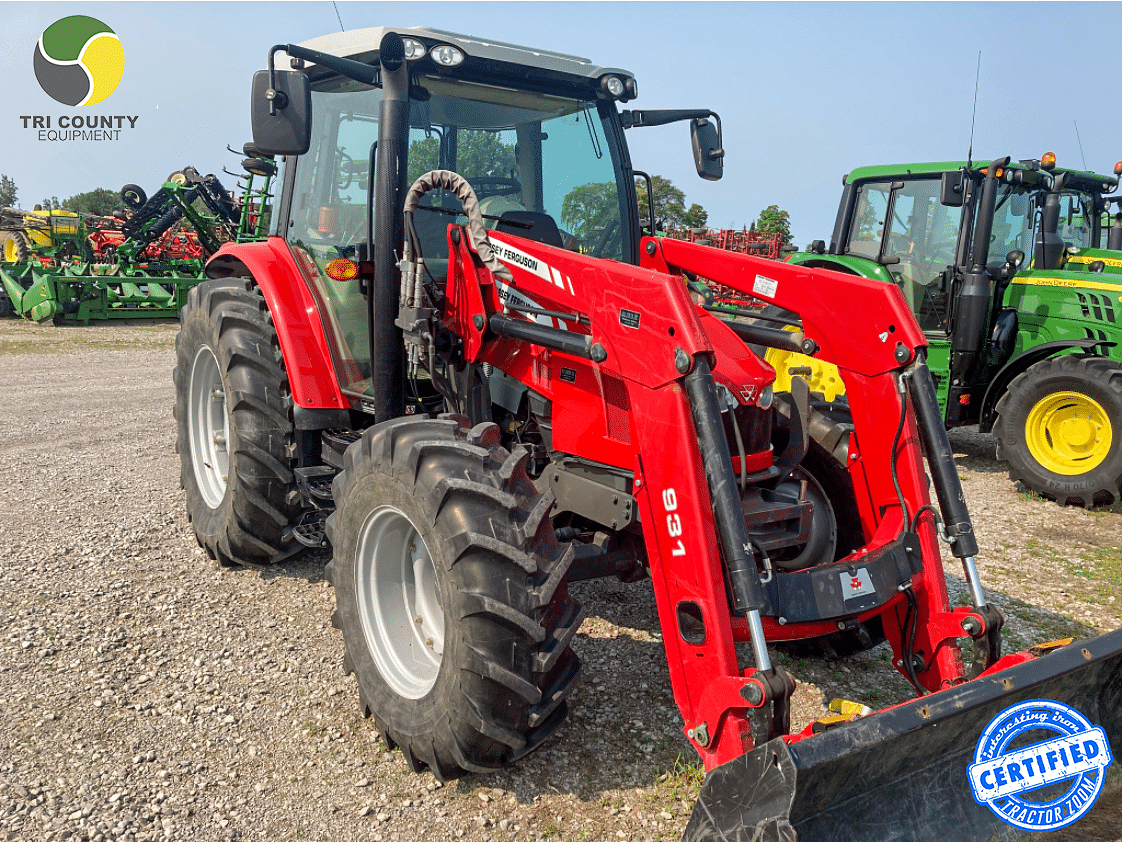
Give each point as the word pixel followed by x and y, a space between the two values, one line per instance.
pixel 295 311
pixel 1015 366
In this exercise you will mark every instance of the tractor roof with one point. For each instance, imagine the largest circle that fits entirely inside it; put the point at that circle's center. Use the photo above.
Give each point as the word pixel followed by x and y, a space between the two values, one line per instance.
pixel 1081 179
pixel 362 45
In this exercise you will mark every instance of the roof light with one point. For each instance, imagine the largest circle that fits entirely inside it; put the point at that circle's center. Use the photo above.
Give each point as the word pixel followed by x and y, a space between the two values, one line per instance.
pixel 446 56
pixel 1048 161
pixel 414 49
pixel 613 85
pixel 1118 168
pixel 341 269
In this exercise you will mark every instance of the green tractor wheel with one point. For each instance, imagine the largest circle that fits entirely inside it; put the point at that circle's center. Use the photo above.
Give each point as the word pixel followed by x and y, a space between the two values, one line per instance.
pixel 1059 427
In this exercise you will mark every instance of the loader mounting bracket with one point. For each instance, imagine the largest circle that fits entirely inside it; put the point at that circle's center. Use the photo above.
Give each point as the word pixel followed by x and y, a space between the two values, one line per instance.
pixel 846 588
pixel 987 641
pixel 771 716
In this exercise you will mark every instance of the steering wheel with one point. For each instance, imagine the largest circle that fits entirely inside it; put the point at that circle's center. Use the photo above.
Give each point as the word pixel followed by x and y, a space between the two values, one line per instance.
pixel 493 185
pixel 945 247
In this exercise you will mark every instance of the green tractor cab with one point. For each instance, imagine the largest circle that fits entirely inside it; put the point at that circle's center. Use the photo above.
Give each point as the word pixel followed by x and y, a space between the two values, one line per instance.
pixel 1023 333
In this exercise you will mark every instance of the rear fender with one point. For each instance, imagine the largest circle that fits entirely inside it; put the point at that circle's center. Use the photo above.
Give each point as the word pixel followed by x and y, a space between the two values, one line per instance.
pixel 294 309
pixel 842 263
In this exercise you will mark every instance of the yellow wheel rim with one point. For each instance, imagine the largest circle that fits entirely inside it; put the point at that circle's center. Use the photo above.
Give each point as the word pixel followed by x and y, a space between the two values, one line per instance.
pixel 1068 433
pixel 10 254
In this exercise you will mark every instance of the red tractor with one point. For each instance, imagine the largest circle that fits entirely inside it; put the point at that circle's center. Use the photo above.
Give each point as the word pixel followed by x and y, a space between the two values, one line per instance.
pixel 460 362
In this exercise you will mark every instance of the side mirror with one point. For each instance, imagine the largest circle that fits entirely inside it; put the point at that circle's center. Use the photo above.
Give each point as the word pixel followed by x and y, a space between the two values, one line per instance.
pixel 708 156
pixel 289 130
pixel 951 189
pixel 1018 204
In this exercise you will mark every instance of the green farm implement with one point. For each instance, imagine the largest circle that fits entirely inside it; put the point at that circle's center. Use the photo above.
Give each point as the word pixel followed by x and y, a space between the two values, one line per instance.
pixel 63 266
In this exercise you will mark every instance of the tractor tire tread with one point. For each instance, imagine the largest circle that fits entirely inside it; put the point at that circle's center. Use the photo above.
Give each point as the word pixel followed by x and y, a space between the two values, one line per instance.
pixel 499 552
pixel 230 317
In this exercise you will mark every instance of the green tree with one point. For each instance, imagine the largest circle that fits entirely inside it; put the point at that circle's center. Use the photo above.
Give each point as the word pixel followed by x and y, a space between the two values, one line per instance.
pixel 8 192
pixel 696 216
pixel 587 211
pixel 51 204
pixel 774 221
pixel 669 201
pixel 424 155
pixel 478 154
pixel 100 202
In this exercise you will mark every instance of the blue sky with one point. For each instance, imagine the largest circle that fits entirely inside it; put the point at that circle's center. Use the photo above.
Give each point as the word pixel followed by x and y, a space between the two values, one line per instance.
pixel 806 91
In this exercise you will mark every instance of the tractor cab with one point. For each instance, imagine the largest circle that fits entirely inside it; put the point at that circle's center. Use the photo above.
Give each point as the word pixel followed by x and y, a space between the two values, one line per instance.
pixel 912 225
pixel 537 134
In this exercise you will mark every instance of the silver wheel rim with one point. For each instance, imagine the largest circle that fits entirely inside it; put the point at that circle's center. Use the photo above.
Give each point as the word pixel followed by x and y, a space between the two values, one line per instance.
pixel 399 603
pixel 208 427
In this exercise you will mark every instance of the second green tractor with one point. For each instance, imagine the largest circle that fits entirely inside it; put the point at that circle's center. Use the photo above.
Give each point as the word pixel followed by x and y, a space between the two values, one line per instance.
pixel 1017 298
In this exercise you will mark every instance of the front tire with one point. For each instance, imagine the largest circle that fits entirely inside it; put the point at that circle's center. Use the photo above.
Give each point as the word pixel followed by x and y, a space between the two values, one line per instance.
pixel 451 595
pixel 235 433
pixel 1059 429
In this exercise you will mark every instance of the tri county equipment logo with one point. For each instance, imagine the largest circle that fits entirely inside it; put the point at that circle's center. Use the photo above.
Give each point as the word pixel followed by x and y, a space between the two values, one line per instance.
pixel 1050 777
pixel 79 60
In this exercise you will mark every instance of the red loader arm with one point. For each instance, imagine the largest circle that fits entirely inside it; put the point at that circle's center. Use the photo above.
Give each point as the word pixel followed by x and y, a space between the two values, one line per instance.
pixel 609 345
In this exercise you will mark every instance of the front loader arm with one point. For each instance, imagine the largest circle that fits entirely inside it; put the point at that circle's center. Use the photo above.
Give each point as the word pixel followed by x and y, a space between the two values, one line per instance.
pixel 866 329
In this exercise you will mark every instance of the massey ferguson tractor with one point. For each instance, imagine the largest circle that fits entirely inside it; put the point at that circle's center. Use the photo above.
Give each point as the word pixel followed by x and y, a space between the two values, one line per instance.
pixel 460 362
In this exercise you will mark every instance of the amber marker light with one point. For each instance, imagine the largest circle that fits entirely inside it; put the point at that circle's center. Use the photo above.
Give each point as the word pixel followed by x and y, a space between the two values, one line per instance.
pixel 1118 168
pixel 1048 161
pixel 341 269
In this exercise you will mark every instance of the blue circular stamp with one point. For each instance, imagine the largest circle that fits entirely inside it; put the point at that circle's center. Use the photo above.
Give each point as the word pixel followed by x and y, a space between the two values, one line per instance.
pixel 1047 779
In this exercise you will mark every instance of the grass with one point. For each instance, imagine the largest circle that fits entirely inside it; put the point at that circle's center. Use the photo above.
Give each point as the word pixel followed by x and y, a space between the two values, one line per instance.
pixel 1104 566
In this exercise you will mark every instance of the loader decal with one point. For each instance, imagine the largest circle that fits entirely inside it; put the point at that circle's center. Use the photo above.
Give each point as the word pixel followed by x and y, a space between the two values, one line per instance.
pixel 1042 785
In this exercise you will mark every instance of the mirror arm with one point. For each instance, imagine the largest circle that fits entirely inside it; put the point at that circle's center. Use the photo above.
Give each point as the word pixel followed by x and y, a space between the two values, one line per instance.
pixel 355 70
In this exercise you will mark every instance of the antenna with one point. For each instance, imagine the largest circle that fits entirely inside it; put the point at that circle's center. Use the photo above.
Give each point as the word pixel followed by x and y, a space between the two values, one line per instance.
pixel 977 76
pixel 1080 143
pixel 343 28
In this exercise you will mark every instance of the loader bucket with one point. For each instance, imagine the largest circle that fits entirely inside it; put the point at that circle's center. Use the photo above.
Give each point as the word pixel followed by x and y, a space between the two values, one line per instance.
pixel 905 773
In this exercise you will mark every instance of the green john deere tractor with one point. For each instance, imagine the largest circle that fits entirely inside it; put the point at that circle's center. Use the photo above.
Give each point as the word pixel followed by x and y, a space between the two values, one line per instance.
pixel 1024 339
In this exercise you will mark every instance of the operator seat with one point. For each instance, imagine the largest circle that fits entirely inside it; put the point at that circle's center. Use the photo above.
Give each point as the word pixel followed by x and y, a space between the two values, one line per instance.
pixel 531 225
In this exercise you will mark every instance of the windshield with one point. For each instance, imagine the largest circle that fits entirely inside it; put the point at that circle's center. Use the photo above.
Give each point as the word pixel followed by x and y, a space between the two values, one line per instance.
pixel 1077 218
pixel 904 225
pixel 545 161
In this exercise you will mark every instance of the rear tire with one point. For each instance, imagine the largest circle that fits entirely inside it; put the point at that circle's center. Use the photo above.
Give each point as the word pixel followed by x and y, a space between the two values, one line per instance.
pixel 1059 429
pixel 235 433
pixel 451 595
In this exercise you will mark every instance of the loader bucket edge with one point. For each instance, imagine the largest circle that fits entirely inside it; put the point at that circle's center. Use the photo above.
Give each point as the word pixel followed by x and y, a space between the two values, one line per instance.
pixel 901 774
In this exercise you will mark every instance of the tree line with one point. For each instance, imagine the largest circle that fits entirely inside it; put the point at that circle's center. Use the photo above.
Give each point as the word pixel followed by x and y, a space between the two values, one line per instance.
pixel 669 204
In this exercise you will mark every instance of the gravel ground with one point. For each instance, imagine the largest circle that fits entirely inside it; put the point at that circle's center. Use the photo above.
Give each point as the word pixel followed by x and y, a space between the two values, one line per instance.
pixel 146 694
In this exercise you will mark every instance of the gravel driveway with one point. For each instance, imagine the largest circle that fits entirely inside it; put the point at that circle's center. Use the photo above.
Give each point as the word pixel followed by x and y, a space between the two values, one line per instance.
pixel 146 694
